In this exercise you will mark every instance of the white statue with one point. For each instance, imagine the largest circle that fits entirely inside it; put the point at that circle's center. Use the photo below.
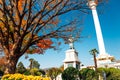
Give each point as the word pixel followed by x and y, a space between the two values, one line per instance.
pixel 71 42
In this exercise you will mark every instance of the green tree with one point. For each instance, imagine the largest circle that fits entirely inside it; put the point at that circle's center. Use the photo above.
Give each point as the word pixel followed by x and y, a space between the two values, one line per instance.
pixel 88 74
pixel 70 73
pixel 35 72
pixel 31 63
pixel 53 72
pixel 28 26
pixel 27 72
pixel 20 68
pixel 34 63
pixel 110 73
pixel 94 52
pixel 42 71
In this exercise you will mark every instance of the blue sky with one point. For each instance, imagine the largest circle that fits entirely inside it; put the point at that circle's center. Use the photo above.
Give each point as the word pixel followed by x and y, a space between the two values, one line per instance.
pixel 110 25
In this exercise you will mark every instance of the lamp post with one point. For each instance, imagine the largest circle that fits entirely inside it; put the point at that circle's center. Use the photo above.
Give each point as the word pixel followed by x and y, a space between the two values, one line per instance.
pixel 104 75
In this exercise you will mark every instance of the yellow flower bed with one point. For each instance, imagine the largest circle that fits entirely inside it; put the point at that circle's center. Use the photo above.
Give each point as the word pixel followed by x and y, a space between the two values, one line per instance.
pixel 18 76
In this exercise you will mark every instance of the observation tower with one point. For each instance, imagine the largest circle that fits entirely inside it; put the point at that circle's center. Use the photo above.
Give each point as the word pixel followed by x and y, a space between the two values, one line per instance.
pixel 103 58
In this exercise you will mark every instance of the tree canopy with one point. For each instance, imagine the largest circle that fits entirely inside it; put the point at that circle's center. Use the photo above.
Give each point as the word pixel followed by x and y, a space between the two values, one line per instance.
pixel 70 73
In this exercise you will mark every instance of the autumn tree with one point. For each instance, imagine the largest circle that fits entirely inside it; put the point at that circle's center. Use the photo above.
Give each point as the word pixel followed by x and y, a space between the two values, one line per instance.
pixel 29 26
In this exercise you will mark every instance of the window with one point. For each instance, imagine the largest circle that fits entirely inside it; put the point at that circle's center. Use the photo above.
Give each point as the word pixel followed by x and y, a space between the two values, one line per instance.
pixel 70 64
pixel 77 66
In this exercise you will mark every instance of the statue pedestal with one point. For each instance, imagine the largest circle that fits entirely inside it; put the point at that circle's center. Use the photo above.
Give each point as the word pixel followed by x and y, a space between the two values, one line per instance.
pixel 71 59
pixel 104 59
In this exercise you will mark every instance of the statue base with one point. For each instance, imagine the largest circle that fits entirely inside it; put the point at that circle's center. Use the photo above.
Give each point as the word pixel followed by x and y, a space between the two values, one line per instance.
pixel 104 59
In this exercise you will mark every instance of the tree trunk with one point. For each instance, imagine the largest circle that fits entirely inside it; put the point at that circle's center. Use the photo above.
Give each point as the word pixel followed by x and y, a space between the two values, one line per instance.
pixel 10 65
pixel 95 62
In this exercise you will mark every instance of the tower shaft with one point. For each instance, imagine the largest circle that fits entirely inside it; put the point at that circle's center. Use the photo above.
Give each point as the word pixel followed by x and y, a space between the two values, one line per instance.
pixel 98 33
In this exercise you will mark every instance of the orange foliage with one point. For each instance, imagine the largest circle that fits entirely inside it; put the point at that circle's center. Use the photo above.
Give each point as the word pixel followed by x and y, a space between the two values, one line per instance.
pixel 42 45
pixel 10 46
pixel 55 21
pixel 33 51
pixel 0 1
pixel 46 43
pixel 1 25
pixel 20 4
pixel 2 61
pixel 96 1
pixel 23 22
pixel 53 3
